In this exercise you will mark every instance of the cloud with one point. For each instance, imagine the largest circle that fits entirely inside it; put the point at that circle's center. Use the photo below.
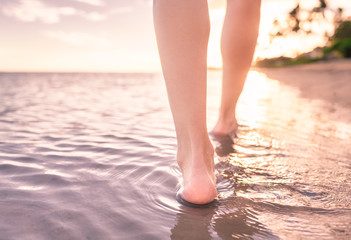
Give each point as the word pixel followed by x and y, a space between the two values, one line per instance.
pixel 92 2
pixel 79 39
pixel 35 10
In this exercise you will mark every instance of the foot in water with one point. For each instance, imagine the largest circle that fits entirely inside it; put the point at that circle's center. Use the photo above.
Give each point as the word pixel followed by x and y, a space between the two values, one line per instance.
pixel 198 170
pixel 225 127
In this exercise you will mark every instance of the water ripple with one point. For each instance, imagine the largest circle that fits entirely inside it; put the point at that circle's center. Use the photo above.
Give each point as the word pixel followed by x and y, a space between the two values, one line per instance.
pixel 93 156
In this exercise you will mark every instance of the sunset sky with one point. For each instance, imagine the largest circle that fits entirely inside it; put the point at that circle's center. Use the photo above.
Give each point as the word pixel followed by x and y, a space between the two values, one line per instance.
pixel 108 35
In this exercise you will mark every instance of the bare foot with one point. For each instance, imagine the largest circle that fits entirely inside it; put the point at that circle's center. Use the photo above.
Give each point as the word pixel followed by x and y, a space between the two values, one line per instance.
pixel 225 127
pixel 199 180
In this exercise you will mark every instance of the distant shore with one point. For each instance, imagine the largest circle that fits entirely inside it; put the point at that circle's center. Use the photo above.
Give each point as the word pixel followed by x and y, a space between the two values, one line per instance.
pixel 327 80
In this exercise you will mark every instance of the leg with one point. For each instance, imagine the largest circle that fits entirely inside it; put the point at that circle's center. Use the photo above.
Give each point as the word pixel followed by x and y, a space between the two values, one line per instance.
pixel 182 31
pixel 239 36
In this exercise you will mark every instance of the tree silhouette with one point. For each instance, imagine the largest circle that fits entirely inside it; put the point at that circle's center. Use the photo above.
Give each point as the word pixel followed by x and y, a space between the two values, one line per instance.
pixel 308 21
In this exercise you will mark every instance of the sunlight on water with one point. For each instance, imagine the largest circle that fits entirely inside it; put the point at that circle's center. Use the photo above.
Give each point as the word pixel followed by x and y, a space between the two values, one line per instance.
pixel 283 155
pixel 21 164
pixel 257 92
pixel 29 188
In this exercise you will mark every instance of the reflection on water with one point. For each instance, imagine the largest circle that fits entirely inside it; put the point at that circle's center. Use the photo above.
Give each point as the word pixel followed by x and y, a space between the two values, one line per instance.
pixel 92 156
pixel 231 219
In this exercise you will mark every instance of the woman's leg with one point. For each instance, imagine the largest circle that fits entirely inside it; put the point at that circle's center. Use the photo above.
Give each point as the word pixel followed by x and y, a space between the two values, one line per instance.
pixel 239 37
pixel 182 31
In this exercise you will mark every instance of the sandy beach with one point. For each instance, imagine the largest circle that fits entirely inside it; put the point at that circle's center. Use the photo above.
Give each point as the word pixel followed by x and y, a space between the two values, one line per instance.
pixel 327 80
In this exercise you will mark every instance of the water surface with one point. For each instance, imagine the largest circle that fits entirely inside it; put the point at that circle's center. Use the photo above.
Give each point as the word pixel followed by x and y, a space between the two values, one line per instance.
pixel 92 156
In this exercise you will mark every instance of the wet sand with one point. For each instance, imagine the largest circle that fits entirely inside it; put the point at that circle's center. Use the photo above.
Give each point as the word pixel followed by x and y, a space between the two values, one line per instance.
pixel 327 80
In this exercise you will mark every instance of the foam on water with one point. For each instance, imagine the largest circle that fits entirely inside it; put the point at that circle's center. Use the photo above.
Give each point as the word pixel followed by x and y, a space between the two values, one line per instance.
pixel 92 156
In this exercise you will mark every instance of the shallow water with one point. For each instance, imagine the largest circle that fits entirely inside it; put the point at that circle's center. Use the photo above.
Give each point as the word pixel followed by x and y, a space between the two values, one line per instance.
pixel 92 156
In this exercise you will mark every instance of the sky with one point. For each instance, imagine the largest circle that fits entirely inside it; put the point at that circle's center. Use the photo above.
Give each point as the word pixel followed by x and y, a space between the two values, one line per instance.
pixel 106 35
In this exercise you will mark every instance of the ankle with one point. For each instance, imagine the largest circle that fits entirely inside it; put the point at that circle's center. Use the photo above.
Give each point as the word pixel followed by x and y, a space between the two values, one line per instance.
pixel 195 153
pixel 227 119
pixel 225 126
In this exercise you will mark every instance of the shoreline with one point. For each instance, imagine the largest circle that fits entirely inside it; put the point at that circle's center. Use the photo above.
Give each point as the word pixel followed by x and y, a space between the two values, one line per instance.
pixel 326 80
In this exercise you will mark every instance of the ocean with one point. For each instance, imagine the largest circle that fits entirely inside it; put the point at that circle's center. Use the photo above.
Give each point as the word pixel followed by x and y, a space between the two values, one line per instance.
pixel 93 156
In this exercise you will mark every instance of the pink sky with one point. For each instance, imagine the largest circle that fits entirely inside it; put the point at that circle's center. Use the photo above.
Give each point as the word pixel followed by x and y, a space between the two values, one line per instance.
pixel 96 35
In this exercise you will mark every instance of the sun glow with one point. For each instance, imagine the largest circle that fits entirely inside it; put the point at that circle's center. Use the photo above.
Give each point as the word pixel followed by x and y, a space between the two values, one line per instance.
pixel 46 36
pixel 270 10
